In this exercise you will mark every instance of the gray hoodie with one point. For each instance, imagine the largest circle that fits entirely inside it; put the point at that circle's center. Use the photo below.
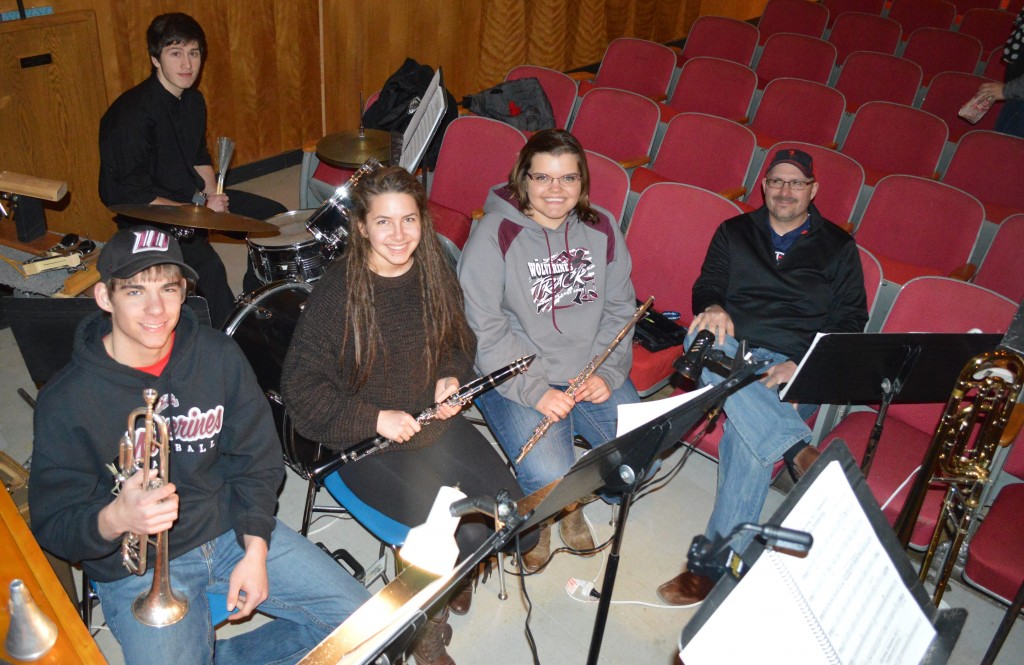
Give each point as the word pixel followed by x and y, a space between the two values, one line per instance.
pixel 561 294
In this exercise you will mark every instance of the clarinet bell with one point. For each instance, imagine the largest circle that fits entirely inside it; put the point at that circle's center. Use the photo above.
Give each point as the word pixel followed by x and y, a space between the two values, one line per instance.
pixel 31 633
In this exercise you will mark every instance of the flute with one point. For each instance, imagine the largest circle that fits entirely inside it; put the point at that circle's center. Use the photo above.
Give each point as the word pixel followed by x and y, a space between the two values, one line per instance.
pixel 580 378
pixel 461 397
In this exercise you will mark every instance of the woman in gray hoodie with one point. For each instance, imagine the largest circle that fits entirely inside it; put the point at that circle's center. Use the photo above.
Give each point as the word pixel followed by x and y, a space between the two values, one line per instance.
pixel 546 272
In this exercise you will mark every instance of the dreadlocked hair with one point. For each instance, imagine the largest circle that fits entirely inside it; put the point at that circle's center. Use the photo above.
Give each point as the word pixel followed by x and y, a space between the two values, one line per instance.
pixel 443 318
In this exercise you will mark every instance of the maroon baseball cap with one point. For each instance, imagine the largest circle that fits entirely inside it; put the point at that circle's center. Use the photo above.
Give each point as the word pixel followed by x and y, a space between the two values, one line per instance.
pixel 797 158
pixel 137 248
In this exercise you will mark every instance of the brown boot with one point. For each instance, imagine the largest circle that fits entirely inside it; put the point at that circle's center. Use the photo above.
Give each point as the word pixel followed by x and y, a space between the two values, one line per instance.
pixel 537 556
pixel 429 648
pixel 574 530
pixel 462 598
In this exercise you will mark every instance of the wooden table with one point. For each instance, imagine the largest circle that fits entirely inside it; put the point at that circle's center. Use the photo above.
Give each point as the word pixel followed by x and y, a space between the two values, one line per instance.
pixel 22 559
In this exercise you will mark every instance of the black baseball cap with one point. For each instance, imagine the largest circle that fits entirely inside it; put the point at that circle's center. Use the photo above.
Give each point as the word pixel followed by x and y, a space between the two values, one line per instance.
pixel 135 249
pixel 797 158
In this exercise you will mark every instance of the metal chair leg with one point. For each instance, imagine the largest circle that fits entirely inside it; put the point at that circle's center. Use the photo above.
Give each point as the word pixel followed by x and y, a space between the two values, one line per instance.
pixel 307 512
pixel 502 591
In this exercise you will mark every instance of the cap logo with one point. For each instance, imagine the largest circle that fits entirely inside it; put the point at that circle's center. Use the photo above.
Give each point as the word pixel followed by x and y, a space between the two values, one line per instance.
pixel 150 241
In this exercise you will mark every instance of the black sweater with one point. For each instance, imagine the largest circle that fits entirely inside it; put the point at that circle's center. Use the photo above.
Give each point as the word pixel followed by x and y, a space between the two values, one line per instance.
pixel 315 377
pixel 150 144
pixel 225 457
pixel 817 287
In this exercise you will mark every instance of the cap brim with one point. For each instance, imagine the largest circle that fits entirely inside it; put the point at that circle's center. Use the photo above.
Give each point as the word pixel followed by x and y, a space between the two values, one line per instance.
pixel 145 262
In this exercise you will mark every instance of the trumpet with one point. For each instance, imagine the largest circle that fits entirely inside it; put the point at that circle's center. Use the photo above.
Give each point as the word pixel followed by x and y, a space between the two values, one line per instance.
pixel 161 605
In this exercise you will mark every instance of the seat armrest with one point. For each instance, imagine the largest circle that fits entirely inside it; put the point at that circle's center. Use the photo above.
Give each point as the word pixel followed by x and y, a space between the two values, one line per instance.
pixel 733 193
pixel 635 162
pixel 582 76
pixel 964 272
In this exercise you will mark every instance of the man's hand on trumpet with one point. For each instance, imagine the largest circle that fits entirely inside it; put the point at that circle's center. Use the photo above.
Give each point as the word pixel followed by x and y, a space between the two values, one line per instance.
pixel 139 510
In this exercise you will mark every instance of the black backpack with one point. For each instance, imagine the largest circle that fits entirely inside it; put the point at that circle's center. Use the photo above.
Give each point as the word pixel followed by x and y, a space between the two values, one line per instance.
pixel 398 101
pixel 520 103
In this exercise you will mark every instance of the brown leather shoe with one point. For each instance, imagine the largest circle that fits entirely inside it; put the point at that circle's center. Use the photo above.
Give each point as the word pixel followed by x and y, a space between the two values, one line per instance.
pixel 462 598
pixel 803 460
pixel 574 531
pixel 685 589
pixel 537 556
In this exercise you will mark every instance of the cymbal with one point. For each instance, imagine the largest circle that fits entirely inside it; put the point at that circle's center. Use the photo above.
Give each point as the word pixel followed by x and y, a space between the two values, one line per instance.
pixel 348 149
pixel 198 217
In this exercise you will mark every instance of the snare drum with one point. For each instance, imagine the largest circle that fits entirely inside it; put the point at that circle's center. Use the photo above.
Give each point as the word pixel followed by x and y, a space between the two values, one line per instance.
pixel 330 223
pixel 262 325
pixel 294 254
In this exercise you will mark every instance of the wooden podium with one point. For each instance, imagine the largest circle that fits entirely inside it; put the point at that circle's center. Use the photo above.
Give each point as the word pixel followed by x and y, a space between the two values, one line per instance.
pixel 24 560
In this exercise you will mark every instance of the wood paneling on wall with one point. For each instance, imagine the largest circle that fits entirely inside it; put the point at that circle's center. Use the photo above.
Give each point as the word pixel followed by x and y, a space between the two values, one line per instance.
pixel 49 119
pixel 261 77
pixel 476 42
pixel 281 73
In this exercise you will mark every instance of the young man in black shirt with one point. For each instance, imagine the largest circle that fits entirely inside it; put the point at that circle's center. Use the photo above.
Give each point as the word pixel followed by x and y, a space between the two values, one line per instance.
pixel 153 150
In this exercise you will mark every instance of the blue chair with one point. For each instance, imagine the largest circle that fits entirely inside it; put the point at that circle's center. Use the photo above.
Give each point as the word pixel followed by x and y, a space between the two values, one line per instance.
pixel 389 532
pixel 218 604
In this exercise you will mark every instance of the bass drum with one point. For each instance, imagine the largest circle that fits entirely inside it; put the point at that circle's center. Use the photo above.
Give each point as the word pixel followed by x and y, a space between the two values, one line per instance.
pixel 262 325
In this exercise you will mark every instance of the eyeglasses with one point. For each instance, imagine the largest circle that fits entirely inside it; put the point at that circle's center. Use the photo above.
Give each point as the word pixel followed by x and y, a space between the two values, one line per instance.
pixel 546 180
pixel 795 185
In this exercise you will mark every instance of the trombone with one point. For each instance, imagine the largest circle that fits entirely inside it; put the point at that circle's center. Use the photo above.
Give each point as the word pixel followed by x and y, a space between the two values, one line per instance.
pixel 977 421
pixel 161 605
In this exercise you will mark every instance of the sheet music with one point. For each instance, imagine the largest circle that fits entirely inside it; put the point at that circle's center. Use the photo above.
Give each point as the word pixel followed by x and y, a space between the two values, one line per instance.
pixel 847 581
pixel 792 379
pixel 424 124
pixel 631 416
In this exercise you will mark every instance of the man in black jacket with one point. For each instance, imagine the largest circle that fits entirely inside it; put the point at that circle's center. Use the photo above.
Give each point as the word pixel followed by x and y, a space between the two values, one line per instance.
pixel 153 150
pixel 774 277
pixel 225 469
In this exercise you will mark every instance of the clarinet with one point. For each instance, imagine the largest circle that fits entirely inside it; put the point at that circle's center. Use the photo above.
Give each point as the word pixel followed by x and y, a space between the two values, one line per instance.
pixel 580 378
pixel 461 397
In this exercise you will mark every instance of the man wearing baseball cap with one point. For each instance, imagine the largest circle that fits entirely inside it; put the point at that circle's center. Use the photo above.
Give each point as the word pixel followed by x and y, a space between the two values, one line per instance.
pixel 225 467
pixel 774 277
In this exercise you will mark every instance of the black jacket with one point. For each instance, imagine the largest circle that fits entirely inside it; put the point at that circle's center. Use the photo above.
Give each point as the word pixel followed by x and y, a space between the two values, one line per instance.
pixel 150 144
pixel 225 457
pixel 817 287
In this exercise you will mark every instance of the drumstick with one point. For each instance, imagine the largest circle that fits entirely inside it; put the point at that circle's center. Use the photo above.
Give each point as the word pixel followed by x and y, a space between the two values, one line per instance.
pixel 225 148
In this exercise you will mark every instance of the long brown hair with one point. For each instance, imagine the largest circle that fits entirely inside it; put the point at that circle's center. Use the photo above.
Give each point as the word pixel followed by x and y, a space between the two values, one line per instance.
pixel 553 142
pixel 443 319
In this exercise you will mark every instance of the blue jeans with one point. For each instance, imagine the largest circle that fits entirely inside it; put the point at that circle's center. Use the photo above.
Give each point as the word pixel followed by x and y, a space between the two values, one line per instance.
pixel 758 430
pixel 1011 118
pixel 513 425
pixel 310 595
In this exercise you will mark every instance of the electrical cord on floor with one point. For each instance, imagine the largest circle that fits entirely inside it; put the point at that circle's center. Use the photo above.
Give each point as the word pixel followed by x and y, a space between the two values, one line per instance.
pixel 529 608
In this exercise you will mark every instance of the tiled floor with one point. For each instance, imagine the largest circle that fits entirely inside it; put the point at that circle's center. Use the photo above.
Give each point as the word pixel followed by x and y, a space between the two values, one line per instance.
pixel 658 532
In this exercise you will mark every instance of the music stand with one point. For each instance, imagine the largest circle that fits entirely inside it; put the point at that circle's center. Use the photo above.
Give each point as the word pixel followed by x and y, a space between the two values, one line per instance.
pixel 619 466
pixel 883 367
pixel 408 149
pixel 387 622
pixel 947 622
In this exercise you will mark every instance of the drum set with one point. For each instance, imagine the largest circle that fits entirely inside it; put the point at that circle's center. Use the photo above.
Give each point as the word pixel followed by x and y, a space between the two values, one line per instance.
pixel 288 253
